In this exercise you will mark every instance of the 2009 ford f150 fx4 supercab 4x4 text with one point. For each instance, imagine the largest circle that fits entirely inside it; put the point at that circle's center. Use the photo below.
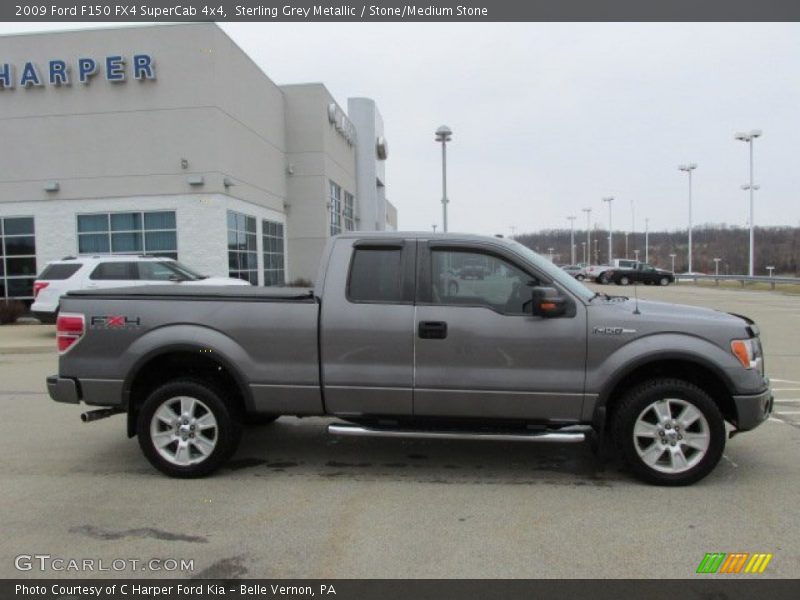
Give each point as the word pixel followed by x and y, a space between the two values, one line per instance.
pixel 386 343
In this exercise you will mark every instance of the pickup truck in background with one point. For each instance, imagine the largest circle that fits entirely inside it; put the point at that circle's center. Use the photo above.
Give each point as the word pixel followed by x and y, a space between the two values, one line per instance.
pixel 387 345
pixel 640 273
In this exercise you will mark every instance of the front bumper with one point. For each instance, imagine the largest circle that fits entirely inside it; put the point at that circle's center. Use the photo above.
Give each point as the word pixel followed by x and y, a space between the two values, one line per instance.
pixel 753 409
pixel 62 389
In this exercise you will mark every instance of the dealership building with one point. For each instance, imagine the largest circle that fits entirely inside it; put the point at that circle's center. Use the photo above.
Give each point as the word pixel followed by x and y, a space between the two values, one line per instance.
pixel 170 140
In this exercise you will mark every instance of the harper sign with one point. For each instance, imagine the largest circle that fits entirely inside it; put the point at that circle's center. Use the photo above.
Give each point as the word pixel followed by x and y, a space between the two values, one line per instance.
pixel 114 68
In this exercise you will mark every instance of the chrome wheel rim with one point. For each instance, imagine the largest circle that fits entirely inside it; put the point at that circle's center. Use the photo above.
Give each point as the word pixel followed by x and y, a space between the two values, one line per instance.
pixel 671 435
pixel 184 431
pixel 664 281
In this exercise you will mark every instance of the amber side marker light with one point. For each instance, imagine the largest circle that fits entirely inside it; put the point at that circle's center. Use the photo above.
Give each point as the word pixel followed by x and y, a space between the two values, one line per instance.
pixel 741 350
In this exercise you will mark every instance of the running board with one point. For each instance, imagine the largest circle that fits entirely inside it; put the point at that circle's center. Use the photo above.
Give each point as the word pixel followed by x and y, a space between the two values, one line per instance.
pixel 534 436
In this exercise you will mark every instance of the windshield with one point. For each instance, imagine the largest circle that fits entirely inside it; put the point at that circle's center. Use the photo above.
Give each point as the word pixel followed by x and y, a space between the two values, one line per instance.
pixel 562 277
pixel 182 270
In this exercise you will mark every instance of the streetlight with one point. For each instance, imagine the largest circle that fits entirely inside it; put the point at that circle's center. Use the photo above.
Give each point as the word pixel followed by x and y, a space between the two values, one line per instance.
pixel 636 254
pixel 647 240
pixel 571 239
pixel 770 269
pixel 444 135
pixel 596 254
pixel 633 229
pixel 585 258
pixel 751 187
pixel 716 266
pixel 626 244
pixel 588 212
pixel 434 228
pixel 609 199
pixel 513 231
pixel 672 256
pixel 550 252
pixel 688 169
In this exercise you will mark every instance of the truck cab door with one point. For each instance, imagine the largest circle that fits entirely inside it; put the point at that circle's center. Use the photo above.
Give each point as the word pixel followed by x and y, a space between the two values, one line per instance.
pixel 367 327
pixel 480 353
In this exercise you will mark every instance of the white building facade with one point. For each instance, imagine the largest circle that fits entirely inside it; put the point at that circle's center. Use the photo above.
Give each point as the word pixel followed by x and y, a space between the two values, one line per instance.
pixel 169 140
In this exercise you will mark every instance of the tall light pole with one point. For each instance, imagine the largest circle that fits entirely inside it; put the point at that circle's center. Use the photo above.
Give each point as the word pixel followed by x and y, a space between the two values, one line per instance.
pixel 716 266
pixel 609 199
pixel 585 258
pixel 571 239
pixel 751 187
pixel 588 212
pixel 688 169
pixel 626 244
pixel 647 240
pixel 633 227
pixel 444 135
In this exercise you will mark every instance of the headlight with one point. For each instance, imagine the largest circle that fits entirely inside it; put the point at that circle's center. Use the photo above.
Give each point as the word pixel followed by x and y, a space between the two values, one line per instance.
pixel 748 352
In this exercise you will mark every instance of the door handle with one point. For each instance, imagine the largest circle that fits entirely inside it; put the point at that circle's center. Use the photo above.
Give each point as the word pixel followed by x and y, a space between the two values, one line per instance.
pixel 432 330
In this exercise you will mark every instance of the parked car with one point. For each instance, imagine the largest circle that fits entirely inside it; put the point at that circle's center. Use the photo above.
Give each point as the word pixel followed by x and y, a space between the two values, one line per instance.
pixel 641 273
pixel 575 270
pixel 599 273
pixel 96 272
pixel 375 345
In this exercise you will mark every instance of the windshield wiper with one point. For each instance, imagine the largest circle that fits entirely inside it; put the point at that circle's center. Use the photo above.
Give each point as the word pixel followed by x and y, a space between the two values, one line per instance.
pixel 599 295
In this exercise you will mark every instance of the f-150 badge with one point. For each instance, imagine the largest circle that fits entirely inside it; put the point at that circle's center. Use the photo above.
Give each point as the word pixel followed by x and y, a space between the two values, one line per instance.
pixel 612 330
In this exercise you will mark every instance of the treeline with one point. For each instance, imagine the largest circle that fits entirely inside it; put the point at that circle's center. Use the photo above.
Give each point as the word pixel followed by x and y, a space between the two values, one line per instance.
pixel 774 246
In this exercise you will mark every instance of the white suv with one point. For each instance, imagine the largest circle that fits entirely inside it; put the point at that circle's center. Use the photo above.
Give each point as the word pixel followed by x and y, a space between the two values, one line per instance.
pixel 98 272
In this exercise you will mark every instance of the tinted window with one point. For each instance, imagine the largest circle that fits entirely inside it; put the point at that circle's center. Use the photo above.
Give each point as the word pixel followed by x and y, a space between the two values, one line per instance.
pixel 375 275
pixel 58 272
pixel 477 279
pixel 115 271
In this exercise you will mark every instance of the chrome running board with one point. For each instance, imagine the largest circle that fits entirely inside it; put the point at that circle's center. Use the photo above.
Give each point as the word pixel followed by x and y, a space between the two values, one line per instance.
pixel 534 436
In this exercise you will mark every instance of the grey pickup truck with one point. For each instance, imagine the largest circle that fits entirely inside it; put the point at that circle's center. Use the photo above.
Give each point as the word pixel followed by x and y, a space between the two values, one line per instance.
pixel 394 343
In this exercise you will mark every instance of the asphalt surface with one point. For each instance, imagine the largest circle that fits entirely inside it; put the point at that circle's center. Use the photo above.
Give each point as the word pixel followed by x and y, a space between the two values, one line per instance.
pixel 295 503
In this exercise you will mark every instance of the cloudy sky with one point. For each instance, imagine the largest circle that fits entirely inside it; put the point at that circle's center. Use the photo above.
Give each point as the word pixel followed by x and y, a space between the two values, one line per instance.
pixel 550 118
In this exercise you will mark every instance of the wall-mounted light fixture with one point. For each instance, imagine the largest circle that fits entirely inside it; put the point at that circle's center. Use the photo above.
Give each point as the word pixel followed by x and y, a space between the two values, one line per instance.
pixel 196 180
pixel 228 182
pixel 51 186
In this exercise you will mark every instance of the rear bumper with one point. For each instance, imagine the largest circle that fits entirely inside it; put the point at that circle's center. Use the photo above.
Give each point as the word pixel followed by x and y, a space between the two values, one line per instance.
pixel 62 389
pixel 95 392
pixel 752 410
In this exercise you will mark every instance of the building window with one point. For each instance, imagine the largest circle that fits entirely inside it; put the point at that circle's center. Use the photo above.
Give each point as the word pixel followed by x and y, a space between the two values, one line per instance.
pixel 272 238
pixel 153 233
pixel 17 257
pixel 242 251
pixel 336 209
pixel 349 212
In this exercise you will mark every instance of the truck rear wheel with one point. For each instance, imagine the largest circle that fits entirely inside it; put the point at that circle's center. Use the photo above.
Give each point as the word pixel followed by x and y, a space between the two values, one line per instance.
pixel 624 280
pixel 669 431
pixel 186 429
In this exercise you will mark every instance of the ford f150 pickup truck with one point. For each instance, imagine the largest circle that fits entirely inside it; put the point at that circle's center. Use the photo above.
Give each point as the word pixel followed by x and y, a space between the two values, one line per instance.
pixel 387 344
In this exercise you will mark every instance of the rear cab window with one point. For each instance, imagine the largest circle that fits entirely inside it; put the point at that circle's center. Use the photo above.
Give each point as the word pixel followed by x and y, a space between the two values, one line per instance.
pixel 59 272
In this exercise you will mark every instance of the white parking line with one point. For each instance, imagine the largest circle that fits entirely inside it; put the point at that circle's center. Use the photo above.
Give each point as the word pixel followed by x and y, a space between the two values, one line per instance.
pixel 774 420
pixel 790 412
pixel 785 389
pixel 784 380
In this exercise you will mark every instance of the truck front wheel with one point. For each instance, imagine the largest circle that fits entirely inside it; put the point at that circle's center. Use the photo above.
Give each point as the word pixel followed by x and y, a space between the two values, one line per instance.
pixel 669 431
pixel 186 429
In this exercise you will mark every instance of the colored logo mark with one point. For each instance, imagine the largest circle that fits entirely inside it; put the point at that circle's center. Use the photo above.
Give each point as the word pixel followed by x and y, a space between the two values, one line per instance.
pixel 734 563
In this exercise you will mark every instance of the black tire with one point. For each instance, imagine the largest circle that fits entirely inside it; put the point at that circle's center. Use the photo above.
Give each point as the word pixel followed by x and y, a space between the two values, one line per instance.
pixel 634 404
pixel 603 278
pixel 258 420
pixel 227 430
pixel 664 281
pixel 580 277
pixel 624 280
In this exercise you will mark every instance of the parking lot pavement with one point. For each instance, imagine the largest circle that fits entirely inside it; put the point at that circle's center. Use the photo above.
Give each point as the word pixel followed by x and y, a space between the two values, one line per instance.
pixel 295 503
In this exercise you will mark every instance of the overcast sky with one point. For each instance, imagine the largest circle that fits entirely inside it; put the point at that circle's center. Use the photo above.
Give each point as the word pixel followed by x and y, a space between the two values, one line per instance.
pixel 550 118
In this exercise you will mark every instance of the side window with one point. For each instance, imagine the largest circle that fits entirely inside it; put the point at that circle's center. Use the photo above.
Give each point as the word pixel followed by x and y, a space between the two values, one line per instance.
pixel 478 279
pixel 376 275
pixel 155 271
pixel 117 271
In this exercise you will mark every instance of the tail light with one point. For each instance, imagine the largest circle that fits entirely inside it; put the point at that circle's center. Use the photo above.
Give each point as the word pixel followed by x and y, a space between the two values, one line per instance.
pixel 69 329
pixel 38 286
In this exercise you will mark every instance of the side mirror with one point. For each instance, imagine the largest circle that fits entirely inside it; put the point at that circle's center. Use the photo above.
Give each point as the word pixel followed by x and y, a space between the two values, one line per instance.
pixel 547 302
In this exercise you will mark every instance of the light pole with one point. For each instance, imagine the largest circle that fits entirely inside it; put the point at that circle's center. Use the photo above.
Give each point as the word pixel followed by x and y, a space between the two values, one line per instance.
pixel 609 199
pixel 672 256
pixel 588 212
pixel 688 169
pixel 571 239
pixel 716 266
pixel 770 269
pixel 626 245
pixel 751 187
pixel 585 261
pixel 633 227
pixel 434 228
pixel 636 254
pixel 550 252
pixel 596 255
pixel 647 240
pixel 444 135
